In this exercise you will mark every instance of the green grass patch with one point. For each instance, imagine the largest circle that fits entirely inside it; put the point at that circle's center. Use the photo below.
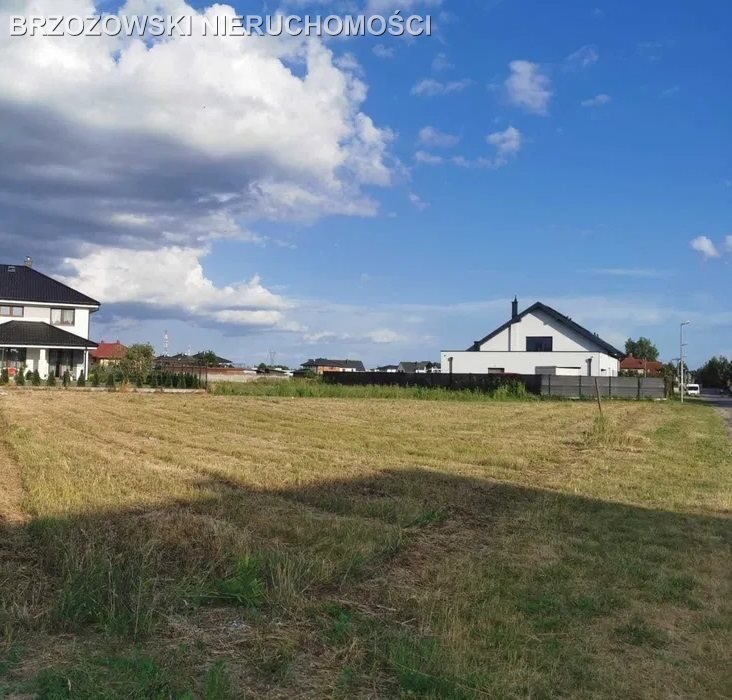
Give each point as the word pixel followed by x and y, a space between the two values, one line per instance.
pixel 316 388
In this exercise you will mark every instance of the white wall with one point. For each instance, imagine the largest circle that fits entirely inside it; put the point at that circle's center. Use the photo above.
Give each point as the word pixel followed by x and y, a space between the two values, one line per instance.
pixel 43 313
pixel 565 363
pixel 538 324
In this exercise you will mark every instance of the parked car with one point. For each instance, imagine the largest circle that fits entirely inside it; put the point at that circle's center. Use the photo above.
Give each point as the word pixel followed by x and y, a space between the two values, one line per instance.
pixel 693 390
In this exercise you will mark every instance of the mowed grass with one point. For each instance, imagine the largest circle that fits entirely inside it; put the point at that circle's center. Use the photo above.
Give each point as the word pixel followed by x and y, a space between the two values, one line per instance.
pixel 225 546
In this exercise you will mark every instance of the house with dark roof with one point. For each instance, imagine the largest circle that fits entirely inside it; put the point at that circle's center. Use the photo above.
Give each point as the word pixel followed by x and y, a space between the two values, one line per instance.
pixel 424 367
pixel 537 340
pixel 44 324
pixel 321 365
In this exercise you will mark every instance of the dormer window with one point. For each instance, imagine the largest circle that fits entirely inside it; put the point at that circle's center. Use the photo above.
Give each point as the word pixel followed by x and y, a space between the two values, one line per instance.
pixel 13 311
pixel 63 317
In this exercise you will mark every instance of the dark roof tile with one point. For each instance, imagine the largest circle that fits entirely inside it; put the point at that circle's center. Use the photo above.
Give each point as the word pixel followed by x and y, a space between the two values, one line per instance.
pixel 22 283
pixel 39 334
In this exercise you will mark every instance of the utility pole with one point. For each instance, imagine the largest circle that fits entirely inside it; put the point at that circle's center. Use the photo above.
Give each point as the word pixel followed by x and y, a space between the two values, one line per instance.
pixel 681 356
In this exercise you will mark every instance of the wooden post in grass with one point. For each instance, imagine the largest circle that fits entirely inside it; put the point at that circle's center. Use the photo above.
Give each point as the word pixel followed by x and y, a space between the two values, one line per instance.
pixel 597 391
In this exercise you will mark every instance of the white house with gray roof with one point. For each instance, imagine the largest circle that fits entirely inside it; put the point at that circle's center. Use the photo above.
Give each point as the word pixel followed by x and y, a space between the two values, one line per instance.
pixel 44 324
pixel 538 340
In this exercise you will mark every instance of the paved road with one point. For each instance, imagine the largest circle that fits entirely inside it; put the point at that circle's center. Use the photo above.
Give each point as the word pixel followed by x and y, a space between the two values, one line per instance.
pixel 723 404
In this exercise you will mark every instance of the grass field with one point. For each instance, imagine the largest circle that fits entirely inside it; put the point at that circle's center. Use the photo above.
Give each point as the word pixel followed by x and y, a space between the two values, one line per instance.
pixel 216 547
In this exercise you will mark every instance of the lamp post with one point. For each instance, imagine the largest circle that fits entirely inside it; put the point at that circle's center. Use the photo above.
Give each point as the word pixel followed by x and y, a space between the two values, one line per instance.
pixel 681 358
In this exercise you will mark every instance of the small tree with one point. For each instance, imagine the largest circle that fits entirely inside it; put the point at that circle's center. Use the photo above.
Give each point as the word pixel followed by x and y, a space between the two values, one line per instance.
pixel 66 379
pixel 642 348
pixel 95 379
pixel 51 381
pixel 36 378
pixel 81 381
pixel 110 380
pixel 29 375
pixel 4 378
pixel 139 360
pixel 20 377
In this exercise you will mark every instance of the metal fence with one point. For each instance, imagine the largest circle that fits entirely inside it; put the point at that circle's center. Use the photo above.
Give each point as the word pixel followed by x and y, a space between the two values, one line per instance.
pixel 608 387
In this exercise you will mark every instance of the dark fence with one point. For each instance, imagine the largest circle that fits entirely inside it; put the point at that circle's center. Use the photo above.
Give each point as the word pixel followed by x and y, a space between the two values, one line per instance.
pixel 609 387
pixel 544 385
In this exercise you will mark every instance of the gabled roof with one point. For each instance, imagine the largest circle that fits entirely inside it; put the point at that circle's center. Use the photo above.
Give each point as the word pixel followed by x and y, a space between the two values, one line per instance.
pixel 109 351
pixel 341 364
pixel 25 334
pixel 561 318
pixel 22 283
pixel 638 363
pixel 220 361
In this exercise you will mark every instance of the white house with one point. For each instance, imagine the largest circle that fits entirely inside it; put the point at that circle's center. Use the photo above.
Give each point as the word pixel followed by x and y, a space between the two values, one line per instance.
pixel 539 340
pixel 44 324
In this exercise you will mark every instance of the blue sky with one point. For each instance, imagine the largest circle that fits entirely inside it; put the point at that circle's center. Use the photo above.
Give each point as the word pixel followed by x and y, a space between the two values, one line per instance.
pixel 576 153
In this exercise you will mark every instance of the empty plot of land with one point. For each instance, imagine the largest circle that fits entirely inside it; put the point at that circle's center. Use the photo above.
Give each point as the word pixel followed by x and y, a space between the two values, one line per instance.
pixel 216 547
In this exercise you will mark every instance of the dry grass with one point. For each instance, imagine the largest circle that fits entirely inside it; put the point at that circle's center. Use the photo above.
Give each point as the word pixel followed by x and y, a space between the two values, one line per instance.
pixel 280 547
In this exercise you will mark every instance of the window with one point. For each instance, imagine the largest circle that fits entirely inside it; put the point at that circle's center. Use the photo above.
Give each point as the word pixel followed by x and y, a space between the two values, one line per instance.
pixel 496 370
pixel 62 317
pixel 539 343
pixel 12 357
pixel 15 311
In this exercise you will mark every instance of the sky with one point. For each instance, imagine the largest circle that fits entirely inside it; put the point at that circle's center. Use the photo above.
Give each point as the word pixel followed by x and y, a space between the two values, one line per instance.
pixel 378 198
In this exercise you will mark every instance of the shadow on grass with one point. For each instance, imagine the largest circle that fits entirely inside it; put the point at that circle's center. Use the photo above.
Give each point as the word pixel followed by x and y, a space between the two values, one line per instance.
pixel 448 586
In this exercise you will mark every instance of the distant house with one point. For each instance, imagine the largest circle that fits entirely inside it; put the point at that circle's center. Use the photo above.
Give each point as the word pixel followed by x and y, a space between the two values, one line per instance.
pixel 539 340
pixel 321 365
pixel 213 360
pixel 108 353
pixel 200 359
pixel 641 367
pixel 424 367
pixel 389 369
pixel 44 324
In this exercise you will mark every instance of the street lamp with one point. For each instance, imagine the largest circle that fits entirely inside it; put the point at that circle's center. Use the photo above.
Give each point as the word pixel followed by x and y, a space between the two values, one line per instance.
pixel 682 345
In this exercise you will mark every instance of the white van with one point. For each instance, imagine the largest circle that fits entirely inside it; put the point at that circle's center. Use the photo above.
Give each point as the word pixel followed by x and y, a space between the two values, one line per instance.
pixel 693 390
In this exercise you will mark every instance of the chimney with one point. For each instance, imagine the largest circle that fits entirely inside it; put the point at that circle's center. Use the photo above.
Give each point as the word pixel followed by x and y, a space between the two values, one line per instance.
pixel 514 308
pixel 29 262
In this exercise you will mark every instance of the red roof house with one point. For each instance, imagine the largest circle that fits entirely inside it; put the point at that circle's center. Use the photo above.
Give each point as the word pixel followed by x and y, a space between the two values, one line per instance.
pixel 646 368
pixel 108 353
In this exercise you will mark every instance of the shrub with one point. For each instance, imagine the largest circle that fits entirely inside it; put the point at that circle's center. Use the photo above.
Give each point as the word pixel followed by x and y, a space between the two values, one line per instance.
pixel 36 378
pixel 4 378
pixel 20 378
pixel 81 381
pixel 95 378
pixel 66 379
pixel 28 375
pixel 110 381
pixel 51 381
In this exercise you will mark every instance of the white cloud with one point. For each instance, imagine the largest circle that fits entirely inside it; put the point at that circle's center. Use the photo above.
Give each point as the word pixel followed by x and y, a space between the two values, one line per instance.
pixel 527 87
pixel 596 101
pixel 201 113
pixel 582 58
pixel 430 136
pixel 172 279
pixel 728 244
pixel 507 144
pixel 417 202
pixel 637 272
pixel 383 51
pixel 428 87
pixel 428 158
pixel 440 62
pixel 705 246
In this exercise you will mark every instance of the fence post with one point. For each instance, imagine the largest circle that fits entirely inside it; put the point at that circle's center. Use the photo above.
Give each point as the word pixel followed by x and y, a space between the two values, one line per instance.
pixel 580 386
pixel 639 389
